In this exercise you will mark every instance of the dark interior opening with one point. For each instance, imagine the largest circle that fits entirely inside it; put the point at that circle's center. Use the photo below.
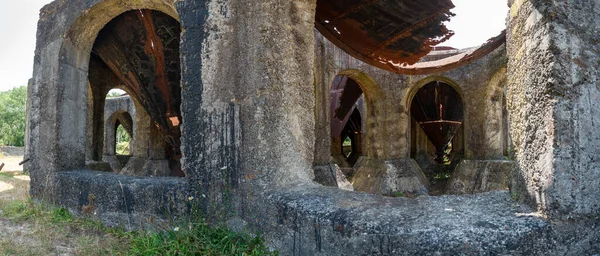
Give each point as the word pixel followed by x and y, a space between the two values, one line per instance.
pixel 346 120
pixel 437 118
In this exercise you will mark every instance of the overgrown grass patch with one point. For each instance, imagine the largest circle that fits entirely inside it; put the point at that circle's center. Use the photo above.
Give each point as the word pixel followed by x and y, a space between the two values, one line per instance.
pixel 31 228
pixel 197 238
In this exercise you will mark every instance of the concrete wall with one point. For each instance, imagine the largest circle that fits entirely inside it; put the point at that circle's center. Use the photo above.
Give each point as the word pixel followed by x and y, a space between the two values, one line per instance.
pixel 480 84
pixel 552 93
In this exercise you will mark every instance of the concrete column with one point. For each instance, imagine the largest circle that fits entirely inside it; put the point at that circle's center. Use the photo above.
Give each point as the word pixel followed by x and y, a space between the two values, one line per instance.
pixel 553 93
pixel 248 96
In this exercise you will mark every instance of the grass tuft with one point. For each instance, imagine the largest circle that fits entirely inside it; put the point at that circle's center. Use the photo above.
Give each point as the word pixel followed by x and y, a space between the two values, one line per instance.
pixel 197 238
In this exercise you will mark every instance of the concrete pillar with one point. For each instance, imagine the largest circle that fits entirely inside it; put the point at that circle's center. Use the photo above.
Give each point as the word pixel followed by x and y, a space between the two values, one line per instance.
pixel 248 99
pixel 553 93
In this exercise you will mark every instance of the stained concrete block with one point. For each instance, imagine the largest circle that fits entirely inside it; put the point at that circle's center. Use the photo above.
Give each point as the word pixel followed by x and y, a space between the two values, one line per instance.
pixel 114 162
pixel 157 168
pixel 476 176
pixel 385 177
pixel 552 97
pixel 98 166
pixel 331 175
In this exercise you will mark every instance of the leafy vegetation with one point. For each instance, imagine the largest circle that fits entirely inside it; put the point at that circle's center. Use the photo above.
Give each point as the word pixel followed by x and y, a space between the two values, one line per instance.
pixel 123 139
pixel 12 116
pixel 398 194
pixel 115 93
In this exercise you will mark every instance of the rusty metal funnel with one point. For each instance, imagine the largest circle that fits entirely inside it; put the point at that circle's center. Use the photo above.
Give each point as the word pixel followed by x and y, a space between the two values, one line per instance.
pixel 438 109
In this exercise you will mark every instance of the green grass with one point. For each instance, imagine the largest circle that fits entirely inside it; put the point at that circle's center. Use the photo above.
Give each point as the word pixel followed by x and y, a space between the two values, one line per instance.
pixel 197 239
pixel 398 194
pixel 93 238
pixel 40 229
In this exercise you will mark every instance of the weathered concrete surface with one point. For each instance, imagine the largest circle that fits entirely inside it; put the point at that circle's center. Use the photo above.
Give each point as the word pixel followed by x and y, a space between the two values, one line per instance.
pixel 553 90
pixel 326 221
pixel 99 166
pixel 58 93
pixel 331 175
pixel 248 119
pixel 131 202
pixel 385 177
pixel 476 176
pixel 120 109
pixel 12 151
pixel 388 129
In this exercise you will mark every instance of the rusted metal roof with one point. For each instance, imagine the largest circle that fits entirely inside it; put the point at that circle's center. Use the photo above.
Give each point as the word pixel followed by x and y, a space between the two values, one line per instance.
pixel 385 33
pixel 461 58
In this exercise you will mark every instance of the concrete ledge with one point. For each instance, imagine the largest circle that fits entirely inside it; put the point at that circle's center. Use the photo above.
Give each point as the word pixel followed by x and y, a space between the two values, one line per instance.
pixel 385 177
pixel 328 221
pixel 331 175
pixel 476 176
pixel 132 202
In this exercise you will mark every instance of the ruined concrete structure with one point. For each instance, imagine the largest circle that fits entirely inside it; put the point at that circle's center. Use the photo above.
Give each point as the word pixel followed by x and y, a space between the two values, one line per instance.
pixel 242 108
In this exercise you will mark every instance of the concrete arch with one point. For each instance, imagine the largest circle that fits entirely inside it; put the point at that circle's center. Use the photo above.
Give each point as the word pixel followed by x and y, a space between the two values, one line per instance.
pixel 460 136
pixel 68 90
pixel 419 84
pixel 496 129
pixel 84 30
pixel 111 125
pixel 375 139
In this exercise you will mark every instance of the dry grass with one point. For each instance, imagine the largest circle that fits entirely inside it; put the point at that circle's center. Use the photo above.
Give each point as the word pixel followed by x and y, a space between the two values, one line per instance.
pixel 27 228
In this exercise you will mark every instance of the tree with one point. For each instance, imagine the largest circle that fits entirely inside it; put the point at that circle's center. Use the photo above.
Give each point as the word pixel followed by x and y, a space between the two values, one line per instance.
pixel 13 106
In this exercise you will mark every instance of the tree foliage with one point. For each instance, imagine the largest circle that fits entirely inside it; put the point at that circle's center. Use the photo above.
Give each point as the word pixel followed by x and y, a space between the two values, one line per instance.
pixel 123 140
pixel 12 116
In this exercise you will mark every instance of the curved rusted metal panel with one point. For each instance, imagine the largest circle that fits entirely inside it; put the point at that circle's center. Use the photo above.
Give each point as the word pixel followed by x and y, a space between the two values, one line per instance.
pixel 344 94
pixel 381 32
pixel 394 34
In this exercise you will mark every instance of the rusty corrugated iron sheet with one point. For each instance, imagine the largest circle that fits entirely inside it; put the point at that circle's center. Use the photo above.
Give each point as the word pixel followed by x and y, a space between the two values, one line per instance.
pixel 385 33
pixel 454 61
pixel 395 34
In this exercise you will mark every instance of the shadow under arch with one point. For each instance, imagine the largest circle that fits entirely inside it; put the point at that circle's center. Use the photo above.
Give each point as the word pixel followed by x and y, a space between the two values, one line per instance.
pixel 419 84
pixel 457 142
pixel 374 100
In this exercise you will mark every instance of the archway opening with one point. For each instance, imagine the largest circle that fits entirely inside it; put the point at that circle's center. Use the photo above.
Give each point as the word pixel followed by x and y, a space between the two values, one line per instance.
pixel 138 51
pixel 123 141
pixel 346 122
pixel 351 138
pixel 437 117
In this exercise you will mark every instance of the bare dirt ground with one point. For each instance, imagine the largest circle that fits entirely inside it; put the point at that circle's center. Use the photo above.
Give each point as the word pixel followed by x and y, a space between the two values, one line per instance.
pixel 11 163
pixel 34 234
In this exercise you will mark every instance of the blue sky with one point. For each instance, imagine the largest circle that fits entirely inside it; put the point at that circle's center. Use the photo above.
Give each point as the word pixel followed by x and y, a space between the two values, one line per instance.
pixel 475 22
